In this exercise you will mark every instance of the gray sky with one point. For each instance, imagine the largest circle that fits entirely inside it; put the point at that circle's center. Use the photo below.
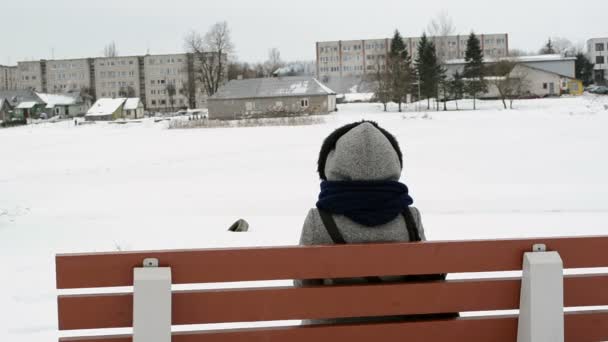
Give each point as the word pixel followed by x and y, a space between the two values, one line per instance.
pixel 31 29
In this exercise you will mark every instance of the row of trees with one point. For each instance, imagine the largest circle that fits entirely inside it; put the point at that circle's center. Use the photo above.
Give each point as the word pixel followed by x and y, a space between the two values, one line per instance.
pixel 425 78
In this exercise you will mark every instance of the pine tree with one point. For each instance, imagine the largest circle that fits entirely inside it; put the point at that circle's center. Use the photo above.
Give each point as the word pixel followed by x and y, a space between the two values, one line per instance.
pixel 428 68
pixel 399 67
pixel 456 87
pixel 474 69
pixel 548 49
pixel 583 68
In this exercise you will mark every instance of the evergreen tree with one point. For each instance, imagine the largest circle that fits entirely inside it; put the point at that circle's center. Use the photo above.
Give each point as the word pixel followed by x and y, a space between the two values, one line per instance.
pixel 456 87
pixel 548 49
pixel 399 67
pixel 428 68
pixel 583 68
pixel 474 69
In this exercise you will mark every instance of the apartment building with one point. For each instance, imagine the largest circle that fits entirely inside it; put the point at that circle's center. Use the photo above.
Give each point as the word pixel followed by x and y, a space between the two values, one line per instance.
pixel 163 82
pixel 166 74
pixel 68 75
pixel 359 57
pixel 8 77
pixel 118 77
pixel 597 52
pixel 30 75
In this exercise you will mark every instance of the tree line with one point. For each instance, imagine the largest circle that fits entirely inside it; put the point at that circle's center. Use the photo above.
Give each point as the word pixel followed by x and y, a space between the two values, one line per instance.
pixel 401 80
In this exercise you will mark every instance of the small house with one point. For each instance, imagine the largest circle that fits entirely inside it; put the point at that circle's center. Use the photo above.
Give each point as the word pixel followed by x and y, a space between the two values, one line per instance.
pixel 65 105
pixel 134 108
pixel 25 103
pixel 271 97
pixel 107 109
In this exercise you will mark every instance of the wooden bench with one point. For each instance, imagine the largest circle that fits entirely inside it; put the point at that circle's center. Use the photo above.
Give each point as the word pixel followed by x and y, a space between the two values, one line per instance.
pixel 151 308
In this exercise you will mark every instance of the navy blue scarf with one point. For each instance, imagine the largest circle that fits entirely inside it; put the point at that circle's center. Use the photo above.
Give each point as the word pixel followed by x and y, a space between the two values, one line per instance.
pixel 370 203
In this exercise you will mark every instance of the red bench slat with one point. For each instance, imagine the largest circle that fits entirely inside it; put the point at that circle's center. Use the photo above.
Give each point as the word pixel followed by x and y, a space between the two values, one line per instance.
pixel 273 263
pixel 590 326
pixel 287 303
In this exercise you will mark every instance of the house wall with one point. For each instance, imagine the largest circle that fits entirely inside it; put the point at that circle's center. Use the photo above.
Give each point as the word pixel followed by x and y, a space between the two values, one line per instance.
pixel 260 107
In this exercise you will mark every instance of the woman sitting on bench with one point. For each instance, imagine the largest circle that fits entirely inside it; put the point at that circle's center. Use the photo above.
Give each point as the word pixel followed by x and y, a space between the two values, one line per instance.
pixel 362 201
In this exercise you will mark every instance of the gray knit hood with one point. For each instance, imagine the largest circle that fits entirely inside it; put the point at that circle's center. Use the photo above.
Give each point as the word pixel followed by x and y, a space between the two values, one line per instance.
pixel 364 153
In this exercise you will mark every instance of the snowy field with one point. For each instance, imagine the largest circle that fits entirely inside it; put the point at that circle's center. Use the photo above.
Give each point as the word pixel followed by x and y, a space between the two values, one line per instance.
pixel 539 170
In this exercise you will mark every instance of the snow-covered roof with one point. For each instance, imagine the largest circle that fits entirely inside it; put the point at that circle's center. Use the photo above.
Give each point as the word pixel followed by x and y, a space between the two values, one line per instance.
pixel 522 59
pixel 53 100
pixel 272 87
pixel 132 103
pixel 105 106
pixel 27 105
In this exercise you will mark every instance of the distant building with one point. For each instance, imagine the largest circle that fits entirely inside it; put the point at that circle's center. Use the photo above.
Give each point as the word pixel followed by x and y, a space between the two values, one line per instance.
pixel 545 75
pixel 163 82
pixel 32 75
pixel 66 105
pixel 119 77
pixel 68 75
pixel 267 97
pixel 8 77
pixel 360 57
pixel 597 52
pixel 26 103
pixel 108 109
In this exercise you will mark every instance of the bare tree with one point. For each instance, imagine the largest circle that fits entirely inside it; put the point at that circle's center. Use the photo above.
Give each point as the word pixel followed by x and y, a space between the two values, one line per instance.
pixel 382 79
pixel 171 91
pixel 510 80
pixel 127 91
pixel 439 28
pixel 110 50
pixel 274 61
pixel 211 53
pixel 563 46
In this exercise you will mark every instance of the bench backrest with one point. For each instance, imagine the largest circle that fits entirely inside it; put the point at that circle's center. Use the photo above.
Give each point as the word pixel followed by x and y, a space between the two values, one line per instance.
pixel 115 310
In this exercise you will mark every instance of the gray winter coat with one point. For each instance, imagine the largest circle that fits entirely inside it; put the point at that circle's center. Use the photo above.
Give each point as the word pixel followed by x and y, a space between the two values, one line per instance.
pixel 363 153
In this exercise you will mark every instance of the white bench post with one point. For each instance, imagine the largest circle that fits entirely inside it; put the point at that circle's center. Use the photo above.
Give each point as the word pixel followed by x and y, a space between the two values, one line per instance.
pixel 152 303
pixel 541 306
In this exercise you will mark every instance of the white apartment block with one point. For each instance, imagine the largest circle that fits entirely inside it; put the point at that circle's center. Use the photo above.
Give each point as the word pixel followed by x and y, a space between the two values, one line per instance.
pixel 163 72
pixel 8 77
pixel 148 77
pixel 68 75
pixel 597 52
pixel 117 77
pixel 360 57
pixel 30 75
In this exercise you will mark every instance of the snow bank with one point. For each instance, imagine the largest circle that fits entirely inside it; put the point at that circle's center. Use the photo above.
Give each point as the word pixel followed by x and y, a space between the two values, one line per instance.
pixel 539 170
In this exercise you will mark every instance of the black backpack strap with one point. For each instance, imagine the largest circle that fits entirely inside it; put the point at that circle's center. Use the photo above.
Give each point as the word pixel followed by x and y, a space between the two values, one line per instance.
pixel 332 229
pixel 337 238
pixel 410 224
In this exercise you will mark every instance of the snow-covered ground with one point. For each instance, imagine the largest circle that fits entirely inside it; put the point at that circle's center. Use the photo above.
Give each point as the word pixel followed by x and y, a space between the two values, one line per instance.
pixel 539 170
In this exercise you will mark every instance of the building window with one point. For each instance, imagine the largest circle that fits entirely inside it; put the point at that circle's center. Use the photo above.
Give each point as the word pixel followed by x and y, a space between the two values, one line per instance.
pixel 599 47
pixel 304 103
pixel 544 85
pixel 154 102
pixel 162 102
pixel 599 59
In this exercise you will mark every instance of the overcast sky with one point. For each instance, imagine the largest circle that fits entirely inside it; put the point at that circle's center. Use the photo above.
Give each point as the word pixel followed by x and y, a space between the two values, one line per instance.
pixel 33 29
